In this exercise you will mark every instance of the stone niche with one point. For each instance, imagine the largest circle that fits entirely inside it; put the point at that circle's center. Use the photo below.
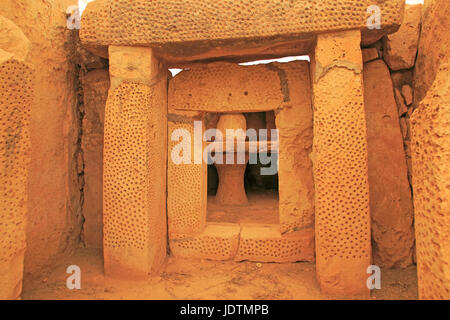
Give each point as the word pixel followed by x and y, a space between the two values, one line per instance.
pixel 316 209
pixel 275 223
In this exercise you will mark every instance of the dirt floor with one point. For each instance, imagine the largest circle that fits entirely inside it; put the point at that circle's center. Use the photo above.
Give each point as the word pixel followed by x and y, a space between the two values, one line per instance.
pixel 200 280
pixel 262 208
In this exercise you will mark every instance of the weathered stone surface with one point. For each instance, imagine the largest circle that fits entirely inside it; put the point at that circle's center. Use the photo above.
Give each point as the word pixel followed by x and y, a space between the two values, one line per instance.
pixel 13 40
pixel 431 184
pixel 401 106
pixel 16 97
pixel 400 48
pixel 400 78
pixel 342 214
pixel 208 28
pixel 407 94
pixel 54 215
pixel 219 241
pixel 264 243
pixel 95 88
pixel 403 128
pixel 135 165
pixel 369 54
pixel 433 46
pixel 390 195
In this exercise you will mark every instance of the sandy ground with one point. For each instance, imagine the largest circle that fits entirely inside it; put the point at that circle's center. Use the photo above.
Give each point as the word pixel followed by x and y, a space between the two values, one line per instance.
pixel 201 279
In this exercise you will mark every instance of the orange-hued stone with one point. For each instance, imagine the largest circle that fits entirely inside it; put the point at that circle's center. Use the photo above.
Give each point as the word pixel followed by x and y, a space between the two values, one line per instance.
pixel 54 220
pixel 231 190
pixel 202 29
pixel 264 243
pixel 135 162
pixel 95 88
pixel 433 46
pixel 391 206
pixel 431 183
pixel 16 96
pixel 400 48
pixel 218 241
pixel 342 213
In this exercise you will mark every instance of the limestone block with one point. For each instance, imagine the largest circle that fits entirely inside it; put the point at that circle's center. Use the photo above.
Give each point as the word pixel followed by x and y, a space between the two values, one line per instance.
pixel 400 48
pixel 342 214
pixel 135 166
pixel 95 88
pixel 401 107
pixel 433 46
pixel 264 243
pixel 219 241
pixel 54 207
pixel 407 94
pixel 400 78
pixel 13 40
pixel 187 183
pixel 390 195
pixel 431 183
pixel 192 27
pixel 16 96
pixel 246 89
pixel 369 54
pixel 295 124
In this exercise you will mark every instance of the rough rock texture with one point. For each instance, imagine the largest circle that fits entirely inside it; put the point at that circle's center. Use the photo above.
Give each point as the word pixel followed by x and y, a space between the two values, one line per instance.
pixel 431 182
pixel 433 46
pixel 54 206
pixel 135 164
pixel 369 54
pixel 390 194
pixel 187 183
pixel 187 28
pixel 265 243
pixel 95 89
pixel 218 241
pixel 195 88
pixel 430 152
pixel 400 48
pixel 16 97
pixel 13 40
pixel 295 124
pixel 400 78
pixel 342 213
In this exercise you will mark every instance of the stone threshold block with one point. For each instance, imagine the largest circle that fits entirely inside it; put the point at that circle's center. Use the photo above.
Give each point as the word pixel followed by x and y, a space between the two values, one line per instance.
pixel 219 241
pixel 264 243
pixel 252 242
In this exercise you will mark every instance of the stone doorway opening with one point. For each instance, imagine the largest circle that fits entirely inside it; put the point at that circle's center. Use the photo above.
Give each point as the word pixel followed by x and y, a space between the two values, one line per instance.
pixel 261 190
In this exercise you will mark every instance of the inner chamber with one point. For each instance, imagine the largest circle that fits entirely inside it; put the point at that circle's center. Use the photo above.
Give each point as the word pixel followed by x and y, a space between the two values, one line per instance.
pixel 261 190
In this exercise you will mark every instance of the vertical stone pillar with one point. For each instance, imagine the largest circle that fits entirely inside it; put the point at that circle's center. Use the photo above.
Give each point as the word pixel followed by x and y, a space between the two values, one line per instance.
pixel 431 183
pixel 342 216
pixel 135 161
pixel 16 96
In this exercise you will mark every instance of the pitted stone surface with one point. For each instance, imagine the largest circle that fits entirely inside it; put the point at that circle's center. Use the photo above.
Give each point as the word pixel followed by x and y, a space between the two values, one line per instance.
pixel 172 22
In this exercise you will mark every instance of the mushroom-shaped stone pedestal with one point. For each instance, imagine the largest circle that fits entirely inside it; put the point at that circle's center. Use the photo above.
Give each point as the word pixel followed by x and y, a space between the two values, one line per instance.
pixel 231 190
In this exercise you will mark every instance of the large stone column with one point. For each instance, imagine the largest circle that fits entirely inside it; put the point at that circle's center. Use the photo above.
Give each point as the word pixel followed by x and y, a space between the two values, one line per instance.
pixel 342 216
pixel 135 160
pixel 16 96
